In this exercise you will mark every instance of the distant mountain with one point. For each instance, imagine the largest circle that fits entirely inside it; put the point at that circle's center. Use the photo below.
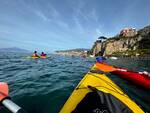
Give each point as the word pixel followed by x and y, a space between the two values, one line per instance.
pixel 13 49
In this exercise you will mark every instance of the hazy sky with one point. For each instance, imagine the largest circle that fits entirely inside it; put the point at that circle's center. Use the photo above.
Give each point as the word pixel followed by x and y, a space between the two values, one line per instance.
pixel 65 24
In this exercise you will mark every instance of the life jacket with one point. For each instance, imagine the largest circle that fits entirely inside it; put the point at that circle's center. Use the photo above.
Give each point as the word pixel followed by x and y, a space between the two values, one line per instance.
pixel 43 54
pixel 34 55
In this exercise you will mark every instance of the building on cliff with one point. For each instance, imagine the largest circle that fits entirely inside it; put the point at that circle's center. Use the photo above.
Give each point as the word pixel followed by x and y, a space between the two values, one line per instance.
pixel 128 32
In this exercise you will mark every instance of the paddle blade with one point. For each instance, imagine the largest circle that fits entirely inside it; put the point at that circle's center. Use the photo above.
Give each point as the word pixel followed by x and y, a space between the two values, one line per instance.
pixel 3 90
pixel 105 67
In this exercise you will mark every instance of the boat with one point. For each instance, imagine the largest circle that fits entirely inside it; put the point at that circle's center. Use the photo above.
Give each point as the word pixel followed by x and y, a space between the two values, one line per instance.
pixel 43 57
pixel 96 93
pixel 138 78
pixel 91 56
pixel 113 58
pixel 135 77
pixel 34 57
pixel 40 57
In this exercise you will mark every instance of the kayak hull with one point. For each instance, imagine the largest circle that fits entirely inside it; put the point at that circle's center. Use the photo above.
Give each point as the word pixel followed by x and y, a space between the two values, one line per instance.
pixel 41 57
pixel 34 57
pixel 139 79
pixel 102 83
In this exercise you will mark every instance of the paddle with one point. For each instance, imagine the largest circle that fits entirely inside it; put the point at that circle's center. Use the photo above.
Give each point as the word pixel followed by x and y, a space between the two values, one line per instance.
pixel 5 100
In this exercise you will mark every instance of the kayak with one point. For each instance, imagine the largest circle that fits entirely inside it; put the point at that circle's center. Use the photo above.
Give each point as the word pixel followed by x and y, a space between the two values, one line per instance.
pixel 96 93
pixel 135 77
pixel 41 57
pixel 140 79
pixel 113 58
pixel 35 57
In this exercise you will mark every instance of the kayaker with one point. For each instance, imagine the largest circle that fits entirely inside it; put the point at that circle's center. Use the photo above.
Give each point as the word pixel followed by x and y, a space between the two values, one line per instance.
pixel 100 59
pixel 43 54
pixel 35 54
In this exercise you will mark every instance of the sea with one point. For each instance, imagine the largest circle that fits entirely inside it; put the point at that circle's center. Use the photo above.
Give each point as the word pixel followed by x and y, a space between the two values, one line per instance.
pixel 44 85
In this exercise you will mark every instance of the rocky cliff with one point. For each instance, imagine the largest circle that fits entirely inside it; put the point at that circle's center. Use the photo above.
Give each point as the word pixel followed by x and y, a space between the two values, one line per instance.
pixel 138 45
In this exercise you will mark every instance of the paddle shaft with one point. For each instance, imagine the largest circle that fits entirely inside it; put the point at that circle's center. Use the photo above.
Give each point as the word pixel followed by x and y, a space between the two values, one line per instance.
pixel 12 106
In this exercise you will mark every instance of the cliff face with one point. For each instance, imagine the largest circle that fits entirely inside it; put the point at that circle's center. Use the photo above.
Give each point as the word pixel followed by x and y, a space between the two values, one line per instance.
pixel 97 47
pixel 124 45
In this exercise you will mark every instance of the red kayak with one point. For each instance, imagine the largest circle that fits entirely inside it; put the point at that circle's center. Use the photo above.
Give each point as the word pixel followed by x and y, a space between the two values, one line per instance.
pixel 135 77
pixel 139 78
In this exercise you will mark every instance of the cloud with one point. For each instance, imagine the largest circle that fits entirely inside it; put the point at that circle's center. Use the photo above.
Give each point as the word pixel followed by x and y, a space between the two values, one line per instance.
pixel 77 7
pixel 54 12
pixel 79 27
pixel 42 15
pixel 62 24
pixel 80 14
pixel 44 10
pixel 93 15
pixel 86 20
pixel 98 32
pixel 5 32
pixel 50 14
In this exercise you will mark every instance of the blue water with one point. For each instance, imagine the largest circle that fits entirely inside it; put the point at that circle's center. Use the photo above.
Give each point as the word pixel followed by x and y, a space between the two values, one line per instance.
pixel 43 85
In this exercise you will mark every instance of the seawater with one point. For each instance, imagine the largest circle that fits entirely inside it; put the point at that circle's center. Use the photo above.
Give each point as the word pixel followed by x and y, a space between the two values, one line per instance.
pixel 43 85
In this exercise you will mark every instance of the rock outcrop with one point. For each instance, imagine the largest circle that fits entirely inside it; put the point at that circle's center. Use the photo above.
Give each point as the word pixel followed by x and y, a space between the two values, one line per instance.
pixel 139 44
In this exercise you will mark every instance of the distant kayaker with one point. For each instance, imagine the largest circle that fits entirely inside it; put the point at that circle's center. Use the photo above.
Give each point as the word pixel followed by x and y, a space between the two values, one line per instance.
pixel 100 59
pixel 43 54
pixel 35 54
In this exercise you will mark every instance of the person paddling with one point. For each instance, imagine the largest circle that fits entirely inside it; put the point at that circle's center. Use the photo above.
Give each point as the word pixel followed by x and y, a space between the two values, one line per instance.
pixel 100 59
pixel 43 54
pixel 35 54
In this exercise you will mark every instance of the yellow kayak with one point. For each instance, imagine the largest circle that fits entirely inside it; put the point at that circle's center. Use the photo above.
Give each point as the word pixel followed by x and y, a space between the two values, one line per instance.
pixel 96 93
pixel 35 57
pixel 42 57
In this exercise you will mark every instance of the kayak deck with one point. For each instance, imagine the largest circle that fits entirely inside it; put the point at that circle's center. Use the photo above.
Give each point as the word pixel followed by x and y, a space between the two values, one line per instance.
pixel 102 83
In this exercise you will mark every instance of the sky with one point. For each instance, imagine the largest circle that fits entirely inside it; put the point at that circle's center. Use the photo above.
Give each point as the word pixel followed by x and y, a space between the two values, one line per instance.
pixel 49 25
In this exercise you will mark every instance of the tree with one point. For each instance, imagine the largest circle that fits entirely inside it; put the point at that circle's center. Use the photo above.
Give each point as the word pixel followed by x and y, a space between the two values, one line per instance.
pixel 102 37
